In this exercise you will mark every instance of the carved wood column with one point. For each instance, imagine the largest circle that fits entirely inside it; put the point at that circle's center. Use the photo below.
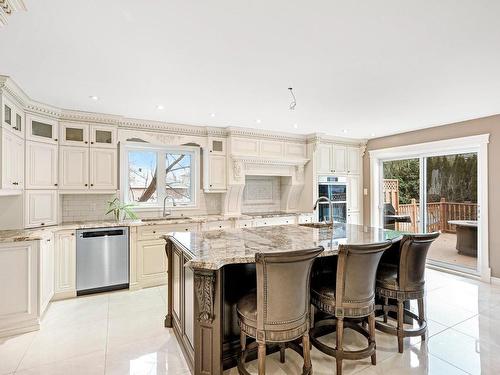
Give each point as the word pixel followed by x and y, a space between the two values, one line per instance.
pixel 170 286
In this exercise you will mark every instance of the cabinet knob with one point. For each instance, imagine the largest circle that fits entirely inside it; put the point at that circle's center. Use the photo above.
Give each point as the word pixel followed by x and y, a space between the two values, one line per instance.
pixel 55 184
pixel 42 223
pixel 15 183
pixel 91 184
pixel 91 143
pixel 86 185
pixel 48 239
pixel 154 232
pixel 86 142
pixel 210 185
pixel 56 139
pixel 72 234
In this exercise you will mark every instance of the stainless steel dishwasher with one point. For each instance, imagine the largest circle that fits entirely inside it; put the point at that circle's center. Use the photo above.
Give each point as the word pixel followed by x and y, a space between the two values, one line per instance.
pixel 102 260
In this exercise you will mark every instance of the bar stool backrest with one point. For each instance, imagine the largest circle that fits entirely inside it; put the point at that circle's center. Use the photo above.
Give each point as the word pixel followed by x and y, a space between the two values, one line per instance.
pixel 356 272
pixel 283 297
pixel 413 255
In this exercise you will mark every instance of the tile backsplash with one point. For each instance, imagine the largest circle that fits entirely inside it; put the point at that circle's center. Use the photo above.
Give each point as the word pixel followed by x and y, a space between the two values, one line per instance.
pixel 85 207
pixel 261 194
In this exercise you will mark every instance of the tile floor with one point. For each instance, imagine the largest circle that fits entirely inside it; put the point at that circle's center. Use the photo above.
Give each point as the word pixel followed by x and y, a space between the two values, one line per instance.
pixel 123 333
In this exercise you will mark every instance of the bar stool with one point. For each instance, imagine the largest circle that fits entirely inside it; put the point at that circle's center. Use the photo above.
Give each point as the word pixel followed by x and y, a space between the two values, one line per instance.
pixel 402 277
pixel 279 311
pixel 347 296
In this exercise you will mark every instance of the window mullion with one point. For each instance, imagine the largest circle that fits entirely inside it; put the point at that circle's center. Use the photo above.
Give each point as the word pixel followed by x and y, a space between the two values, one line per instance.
pixel 160 181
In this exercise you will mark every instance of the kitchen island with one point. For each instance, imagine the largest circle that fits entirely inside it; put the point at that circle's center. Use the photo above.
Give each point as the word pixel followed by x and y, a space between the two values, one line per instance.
pixel 209 271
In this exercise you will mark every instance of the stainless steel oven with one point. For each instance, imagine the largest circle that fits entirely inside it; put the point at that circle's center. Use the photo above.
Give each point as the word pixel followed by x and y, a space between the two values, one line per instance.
pixel 334 188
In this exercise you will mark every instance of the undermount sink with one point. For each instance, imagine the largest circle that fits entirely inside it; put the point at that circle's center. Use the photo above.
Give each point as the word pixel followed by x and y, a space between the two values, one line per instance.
pixel 316 225
pixel 166 218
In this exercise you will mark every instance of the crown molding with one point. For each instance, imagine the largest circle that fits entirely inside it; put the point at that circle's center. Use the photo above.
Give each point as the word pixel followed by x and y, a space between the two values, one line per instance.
pixel 234 131
pixel 9 7
pixel 316 138
pixel 268 161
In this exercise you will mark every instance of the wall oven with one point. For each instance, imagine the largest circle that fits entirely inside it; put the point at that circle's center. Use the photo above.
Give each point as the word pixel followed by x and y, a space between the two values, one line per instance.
pixel 335 188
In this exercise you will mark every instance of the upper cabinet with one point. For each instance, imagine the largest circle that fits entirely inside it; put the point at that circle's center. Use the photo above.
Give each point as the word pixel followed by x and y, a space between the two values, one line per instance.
pixel 41 129
pixel 103 169
pixel 103 136
pixel 12 161
pixel 338 159
pixel 214 166
pixel 41 165
pixel 73 134
pixel 12 118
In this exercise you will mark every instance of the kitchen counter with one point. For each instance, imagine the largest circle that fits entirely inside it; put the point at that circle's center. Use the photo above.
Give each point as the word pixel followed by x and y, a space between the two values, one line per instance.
pixel 43 232
pixel 214 249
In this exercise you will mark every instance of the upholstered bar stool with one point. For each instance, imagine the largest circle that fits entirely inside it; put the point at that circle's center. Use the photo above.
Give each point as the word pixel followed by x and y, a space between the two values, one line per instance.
pixel 402 278
pixel 347 296
pixel 279 311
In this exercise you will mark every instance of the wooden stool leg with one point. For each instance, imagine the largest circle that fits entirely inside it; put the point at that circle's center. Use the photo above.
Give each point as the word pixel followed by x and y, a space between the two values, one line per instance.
pixel 282 353
pixel 400 326
pixel 371 325
pixel 243 340
pixel 340 338
pixel 261 355
pixel 386 303
pixel 421 314
pixel 307 352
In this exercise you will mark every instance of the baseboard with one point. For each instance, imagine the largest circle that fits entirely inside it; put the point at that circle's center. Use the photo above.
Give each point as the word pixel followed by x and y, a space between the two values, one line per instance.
pixel 28 326
pixel 64 295
pixel 495 280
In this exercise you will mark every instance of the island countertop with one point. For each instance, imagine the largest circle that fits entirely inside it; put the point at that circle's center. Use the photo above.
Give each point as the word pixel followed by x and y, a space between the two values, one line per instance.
pixel 212 250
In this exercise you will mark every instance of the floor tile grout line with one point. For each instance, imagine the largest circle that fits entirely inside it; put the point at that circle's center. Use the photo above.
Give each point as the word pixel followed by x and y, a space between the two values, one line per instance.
pixel 25 352
pixel 107 338
pixel 449 363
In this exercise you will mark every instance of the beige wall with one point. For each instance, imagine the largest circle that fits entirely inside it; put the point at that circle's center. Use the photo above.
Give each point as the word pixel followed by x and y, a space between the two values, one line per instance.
pixel 484 125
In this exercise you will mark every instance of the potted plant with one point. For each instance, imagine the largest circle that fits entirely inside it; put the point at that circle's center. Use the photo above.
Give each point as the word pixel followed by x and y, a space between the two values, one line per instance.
pixel 120 210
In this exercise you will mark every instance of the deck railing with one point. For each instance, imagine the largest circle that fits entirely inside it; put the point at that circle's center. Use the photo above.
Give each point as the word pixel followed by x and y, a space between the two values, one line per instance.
pixel 438 215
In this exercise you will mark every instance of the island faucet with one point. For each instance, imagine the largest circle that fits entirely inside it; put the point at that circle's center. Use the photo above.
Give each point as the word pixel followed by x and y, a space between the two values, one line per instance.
pixel 330 204
pixel 165 207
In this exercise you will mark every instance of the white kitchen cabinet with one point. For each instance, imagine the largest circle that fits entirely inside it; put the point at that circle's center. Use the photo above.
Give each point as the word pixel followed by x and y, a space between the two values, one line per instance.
pixel 65 264
pixel 216 146
pixel 304 219
pixel 243 224
pixel 40 208
pixel 103 136
pixel 353 193
pixel 151 263
pixel 46 287
pixel 41 129
pixel 41 165
pixel 217 225
pixel 324 159
pixel 353 160
pixel 354 218
pixel 103 169
pixel 19 263
pixel 12 118
pixel 153 232
pixel 281 220
pixel 73 167
pixel 339 159
pixel 12 174
pixel 215 173
pixel 74 134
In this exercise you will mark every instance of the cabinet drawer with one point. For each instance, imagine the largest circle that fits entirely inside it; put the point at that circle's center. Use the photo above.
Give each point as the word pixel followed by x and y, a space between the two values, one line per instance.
pixel 153 232
pixel 216 225
pixel 303 219
pixel 274 221
pixel 244 223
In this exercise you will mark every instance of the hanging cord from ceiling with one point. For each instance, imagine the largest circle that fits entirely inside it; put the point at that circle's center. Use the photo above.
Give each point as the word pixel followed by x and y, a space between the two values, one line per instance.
pixel 294 101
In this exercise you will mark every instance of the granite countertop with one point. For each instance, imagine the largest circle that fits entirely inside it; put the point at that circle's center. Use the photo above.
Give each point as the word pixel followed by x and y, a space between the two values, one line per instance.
pixel 44 232
pixel 215 249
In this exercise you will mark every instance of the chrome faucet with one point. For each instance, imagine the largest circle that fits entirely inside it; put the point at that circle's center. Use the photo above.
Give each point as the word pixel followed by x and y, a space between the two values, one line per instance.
pixel 330 204
pixel 165 207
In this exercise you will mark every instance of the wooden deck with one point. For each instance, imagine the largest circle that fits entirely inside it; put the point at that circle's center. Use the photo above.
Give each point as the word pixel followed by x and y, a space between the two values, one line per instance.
pixel 443 250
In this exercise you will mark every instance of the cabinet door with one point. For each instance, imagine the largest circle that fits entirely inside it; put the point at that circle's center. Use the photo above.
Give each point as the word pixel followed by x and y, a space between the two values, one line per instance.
pixel 12 161
pixel 324 159
pixel 216 146
pixel 339 159
pixel 73 134
pixel 353 160
pixel 354 193
pixel 41 129
pixel 46 273
pixel 151 263
pixel 41 165
pixel 354 218
pixel 103 169
pixel 216 172
pixel 40 208
pixel 65 263
pixel 73 167
pixel 103 136
pixel 176 284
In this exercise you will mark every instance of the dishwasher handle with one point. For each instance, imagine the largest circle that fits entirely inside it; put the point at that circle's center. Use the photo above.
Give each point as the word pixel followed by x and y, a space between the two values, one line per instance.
pixel 102 233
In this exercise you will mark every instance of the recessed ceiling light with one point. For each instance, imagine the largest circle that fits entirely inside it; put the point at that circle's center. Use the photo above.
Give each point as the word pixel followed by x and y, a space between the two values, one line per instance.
pixel 372 134
pixel 258 121
pixel 296 126
pixel 160 107
pixel 212 115
pixel 93 97
pixel 344 131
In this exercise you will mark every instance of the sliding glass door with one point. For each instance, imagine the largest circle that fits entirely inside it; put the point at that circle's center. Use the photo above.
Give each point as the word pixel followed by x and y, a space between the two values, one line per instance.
pixel 432 193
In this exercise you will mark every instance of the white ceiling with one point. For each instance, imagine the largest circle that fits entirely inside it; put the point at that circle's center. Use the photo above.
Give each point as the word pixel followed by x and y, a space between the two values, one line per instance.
pixel 370 67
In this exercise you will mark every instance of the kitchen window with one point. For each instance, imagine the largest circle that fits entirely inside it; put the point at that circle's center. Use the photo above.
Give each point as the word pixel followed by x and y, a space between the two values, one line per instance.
pixel 153 173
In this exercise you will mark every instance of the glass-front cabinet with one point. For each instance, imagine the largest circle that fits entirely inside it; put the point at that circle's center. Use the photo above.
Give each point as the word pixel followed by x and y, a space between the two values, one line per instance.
pixel 103 136
pixel 42 129
pixel 73 134
pixel 12 117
